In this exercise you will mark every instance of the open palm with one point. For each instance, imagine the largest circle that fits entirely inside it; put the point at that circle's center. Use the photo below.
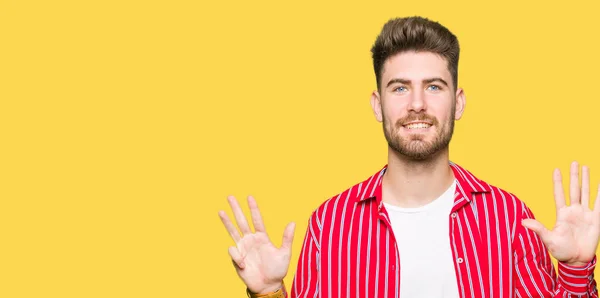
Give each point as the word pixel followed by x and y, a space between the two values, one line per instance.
pixel 260 264
pixel 574 238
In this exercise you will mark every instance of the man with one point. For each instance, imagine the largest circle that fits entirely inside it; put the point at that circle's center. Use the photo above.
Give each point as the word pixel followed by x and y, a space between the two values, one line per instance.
pixel 423 226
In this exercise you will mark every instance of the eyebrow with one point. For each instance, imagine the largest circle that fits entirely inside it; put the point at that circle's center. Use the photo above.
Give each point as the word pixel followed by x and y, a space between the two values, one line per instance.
pixel 407 82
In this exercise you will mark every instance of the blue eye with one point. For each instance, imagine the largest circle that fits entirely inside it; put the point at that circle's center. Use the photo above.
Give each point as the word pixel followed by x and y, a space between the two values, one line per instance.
pixel 400 89
pixel 434 88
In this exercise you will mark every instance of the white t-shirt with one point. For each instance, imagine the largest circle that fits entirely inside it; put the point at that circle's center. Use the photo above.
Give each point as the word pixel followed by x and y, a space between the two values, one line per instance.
pixel 423 238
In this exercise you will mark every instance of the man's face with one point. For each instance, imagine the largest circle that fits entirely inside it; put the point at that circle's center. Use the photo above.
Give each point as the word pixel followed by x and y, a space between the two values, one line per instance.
pixel 417 104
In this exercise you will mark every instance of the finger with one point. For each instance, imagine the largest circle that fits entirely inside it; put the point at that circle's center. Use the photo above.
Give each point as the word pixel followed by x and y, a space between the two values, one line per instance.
pixel 233 232
pixel 288 236
pixel 257 220
pixel 559 194
pixel 585 187
pixel 239 215
pixel 236 257
pixel 537 228
pixel 575 191
pixel 597 202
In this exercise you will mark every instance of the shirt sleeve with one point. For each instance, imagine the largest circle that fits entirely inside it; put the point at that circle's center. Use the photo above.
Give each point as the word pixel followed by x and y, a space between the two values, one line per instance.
pixel 577 280
pixel 306 279
pixel 534 274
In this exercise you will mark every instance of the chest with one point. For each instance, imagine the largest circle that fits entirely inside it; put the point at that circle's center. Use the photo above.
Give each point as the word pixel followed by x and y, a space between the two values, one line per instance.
pixel 361 252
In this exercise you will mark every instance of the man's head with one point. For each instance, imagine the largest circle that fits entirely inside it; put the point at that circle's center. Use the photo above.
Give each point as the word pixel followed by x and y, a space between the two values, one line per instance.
pixel 415 34
pixel 417 98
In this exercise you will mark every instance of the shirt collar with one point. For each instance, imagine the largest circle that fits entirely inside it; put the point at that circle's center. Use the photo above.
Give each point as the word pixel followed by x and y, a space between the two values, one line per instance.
pixel 467 185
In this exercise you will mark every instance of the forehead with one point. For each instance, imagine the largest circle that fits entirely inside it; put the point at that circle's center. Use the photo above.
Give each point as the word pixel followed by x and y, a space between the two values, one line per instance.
pixel 415 66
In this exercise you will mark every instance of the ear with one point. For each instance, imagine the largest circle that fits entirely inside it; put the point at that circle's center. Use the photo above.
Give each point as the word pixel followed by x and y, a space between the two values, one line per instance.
pixel 376 105
pixel 460 103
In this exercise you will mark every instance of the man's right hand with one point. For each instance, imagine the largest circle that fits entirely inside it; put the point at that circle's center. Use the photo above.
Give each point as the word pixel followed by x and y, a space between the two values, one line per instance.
pixel 260 264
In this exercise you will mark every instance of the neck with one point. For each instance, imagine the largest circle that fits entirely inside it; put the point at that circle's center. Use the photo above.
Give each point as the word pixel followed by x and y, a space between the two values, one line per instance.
pixel 413 183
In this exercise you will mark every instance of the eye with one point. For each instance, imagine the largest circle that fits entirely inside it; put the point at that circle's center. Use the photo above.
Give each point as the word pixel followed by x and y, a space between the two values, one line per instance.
pixel 434 88
pixel 400 89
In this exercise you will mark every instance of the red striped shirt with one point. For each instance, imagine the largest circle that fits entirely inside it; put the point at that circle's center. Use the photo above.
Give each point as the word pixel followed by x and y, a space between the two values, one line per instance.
pixel 350 251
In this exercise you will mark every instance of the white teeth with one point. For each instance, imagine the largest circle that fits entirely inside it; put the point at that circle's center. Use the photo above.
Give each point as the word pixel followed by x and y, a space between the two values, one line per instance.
pixel 417 125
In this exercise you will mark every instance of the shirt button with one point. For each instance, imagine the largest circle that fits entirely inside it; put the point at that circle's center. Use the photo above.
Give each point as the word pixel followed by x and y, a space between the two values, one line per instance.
pixel 459 260
pixel 453 214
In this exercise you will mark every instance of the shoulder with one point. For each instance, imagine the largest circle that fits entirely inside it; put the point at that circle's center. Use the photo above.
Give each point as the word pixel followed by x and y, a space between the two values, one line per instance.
pixel 510 202
pixel 491 197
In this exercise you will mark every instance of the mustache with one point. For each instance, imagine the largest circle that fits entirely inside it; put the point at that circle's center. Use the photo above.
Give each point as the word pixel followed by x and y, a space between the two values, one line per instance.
pixel 416 117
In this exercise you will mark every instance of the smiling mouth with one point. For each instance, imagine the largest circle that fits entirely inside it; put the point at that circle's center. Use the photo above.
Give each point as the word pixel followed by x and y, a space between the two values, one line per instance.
pixel 418 125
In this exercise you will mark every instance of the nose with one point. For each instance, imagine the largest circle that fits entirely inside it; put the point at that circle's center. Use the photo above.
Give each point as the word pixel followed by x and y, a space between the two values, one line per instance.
pixel 417 102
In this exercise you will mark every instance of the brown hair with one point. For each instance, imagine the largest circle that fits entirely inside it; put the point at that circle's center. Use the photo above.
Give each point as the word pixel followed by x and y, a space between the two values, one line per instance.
pixel 415 34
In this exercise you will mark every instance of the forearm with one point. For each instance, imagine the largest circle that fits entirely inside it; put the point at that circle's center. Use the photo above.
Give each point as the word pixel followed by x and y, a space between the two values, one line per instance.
pixel 576 281
pixel 536 276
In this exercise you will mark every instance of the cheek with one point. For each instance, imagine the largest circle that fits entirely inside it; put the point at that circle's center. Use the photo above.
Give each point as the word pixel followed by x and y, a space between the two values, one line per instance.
pixel 443 112
pixel 392 112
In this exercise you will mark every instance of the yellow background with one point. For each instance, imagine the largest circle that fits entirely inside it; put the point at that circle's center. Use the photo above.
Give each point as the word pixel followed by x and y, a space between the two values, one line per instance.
pixel 125 124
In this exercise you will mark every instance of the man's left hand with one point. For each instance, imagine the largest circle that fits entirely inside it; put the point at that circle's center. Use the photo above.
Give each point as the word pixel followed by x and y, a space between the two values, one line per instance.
pixel 574 238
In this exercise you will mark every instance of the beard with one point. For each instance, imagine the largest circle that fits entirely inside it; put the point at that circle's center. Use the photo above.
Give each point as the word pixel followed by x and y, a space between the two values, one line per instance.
pixel 414 146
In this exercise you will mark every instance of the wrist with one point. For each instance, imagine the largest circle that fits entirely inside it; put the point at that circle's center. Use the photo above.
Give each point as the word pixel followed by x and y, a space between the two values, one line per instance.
pixel 575 277
pixel 576 264
pixel 271 288
pixel 272 291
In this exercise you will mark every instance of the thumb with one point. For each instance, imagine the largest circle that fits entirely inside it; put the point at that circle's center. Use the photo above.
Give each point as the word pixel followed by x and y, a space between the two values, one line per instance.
pixel 288 236
pixel 538 228
pixel 236 257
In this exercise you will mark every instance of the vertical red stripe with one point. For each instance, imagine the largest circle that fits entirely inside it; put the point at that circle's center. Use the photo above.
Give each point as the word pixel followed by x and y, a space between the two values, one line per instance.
pixel 349 248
